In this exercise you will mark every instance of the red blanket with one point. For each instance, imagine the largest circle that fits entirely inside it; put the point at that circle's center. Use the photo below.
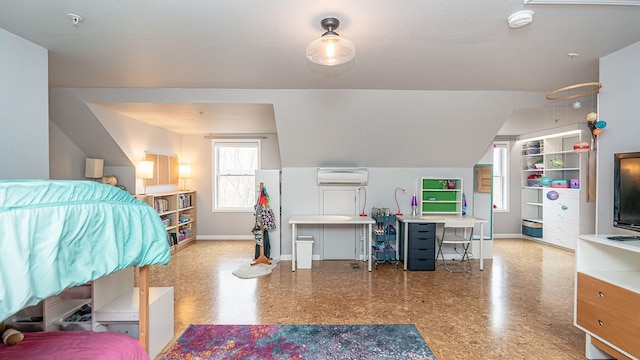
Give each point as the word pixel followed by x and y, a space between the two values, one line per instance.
pixel 75 345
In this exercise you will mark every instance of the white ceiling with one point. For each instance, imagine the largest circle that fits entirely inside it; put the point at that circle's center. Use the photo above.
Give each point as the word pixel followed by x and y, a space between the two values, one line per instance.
pixel 258 44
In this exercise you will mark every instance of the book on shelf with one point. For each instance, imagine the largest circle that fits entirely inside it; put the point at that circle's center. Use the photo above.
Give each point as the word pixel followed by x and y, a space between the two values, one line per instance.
pixel 161 205
pixel 184 200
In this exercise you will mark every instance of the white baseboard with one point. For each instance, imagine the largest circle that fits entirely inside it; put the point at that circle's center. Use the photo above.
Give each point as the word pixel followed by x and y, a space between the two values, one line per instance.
pixel 507 236
pixel 225 237
pixel 288 257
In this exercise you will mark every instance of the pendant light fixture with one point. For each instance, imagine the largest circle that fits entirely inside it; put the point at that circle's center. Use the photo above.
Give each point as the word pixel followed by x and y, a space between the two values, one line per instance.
pixel 330 49
pixel 565 93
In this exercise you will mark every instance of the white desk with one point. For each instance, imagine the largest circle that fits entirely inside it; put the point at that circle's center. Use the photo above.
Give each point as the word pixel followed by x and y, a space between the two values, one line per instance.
pixel 366 222
pixel 438 219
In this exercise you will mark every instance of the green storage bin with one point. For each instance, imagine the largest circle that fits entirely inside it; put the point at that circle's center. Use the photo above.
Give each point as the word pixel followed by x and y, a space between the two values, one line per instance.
pixel 440 195
pixel 439 207
pixel 436 184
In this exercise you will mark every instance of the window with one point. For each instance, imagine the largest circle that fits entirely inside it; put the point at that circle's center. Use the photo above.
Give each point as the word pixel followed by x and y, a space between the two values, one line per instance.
pixel 500 171
pixel 235 163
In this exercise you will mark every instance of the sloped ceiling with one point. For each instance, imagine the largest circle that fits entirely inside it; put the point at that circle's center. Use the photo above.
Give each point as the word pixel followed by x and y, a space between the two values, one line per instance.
pixel 371 128
pixel 201 118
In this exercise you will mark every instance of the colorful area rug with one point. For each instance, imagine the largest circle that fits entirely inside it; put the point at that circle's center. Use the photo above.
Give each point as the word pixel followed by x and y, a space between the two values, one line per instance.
pixel 397 341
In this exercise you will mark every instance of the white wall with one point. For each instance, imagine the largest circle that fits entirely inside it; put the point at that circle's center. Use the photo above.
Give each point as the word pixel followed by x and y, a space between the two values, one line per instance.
pixel 620 108
pixel 328 124
pixel 134 138
pixel 348 135
pixel 198 152
pixel 301 195
pixel 131 138
pixel 65 159
pixel 24 104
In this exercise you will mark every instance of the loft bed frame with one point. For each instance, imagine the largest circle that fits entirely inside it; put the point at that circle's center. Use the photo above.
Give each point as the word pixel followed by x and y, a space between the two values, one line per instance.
pixel 93 229
pixel 143 286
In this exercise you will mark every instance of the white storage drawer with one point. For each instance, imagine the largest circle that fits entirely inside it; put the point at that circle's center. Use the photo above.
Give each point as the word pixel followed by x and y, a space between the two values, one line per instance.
pixel 560 200
pixel 564 193
pixel 567 210
pixel 562 227
pixel 560 239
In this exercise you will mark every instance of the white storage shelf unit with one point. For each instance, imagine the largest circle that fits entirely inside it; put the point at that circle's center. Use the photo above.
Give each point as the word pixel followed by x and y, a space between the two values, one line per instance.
pixel 551 155
pixel 532 170
pixel 114 301
pixel 532 204
pixel 122 315
pixel 441 196
pixel 561 162
pixel 561 218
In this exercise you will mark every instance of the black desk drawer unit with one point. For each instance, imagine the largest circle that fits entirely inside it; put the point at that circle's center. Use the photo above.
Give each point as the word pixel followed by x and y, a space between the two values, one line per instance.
pixel 422 247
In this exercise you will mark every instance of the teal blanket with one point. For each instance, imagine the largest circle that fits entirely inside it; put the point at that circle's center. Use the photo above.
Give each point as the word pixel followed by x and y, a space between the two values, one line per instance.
pixel 60 233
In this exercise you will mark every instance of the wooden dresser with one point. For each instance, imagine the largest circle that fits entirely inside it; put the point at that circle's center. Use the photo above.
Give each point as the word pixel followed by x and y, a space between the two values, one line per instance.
pixel 607 296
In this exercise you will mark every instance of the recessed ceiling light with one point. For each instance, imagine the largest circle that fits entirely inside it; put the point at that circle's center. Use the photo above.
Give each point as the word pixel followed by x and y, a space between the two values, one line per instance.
pixel 520 19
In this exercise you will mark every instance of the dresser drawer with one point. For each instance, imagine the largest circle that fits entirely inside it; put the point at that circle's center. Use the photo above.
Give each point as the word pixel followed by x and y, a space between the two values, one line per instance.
pixel 560 239
pixel 563 193
pixel 610 312
pixel 422 254
pixel 562 227
pixel 422 230
pixel 422 243
pixel 564 211
pixel 421 264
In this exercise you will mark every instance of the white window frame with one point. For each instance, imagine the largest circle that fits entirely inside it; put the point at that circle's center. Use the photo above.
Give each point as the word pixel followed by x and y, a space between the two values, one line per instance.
pixel 215 175
pixel 502 174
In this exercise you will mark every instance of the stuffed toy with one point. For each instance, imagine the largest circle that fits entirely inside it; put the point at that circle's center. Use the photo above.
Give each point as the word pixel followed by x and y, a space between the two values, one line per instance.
pixel 10 336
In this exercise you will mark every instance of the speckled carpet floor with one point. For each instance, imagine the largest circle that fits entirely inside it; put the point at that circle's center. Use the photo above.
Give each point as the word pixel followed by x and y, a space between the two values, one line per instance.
pixel 388 341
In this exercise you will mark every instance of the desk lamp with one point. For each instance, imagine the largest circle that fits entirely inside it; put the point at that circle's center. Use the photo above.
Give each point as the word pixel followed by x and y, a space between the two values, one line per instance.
pixel 365 199
pixel 396 195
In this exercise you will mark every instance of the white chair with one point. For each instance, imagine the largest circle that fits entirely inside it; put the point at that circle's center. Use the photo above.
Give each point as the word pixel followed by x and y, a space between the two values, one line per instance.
pixel 456 232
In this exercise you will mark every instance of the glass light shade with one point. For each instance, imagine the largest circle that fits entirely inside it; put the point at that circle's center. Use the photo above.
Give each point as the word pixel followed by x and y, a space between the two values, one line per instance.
pixel 145 169
pixel 330 50
pixel 184 171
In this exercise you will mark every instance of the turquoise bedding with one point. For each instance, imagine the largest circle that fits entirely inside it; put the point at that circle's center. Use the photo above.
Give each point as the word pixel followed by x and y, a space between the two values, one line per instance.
pixel 60 233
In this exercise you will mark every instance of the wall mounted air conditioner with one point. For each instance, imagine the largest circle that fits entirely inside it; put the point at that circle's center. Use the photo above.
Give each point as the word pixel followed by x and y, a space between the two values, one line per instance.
pixel 343 176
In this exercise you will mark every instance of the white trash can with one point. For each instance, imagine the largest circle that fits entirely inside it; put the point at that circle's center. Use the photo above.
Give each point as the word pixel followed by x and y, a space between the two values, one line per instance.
pixel 304 251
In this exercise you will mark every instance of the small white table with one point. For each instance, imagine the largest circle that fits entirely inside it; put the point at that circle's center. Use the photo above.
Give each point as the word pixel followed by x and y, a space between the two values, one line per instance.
pixel 366 222
pixel 438 219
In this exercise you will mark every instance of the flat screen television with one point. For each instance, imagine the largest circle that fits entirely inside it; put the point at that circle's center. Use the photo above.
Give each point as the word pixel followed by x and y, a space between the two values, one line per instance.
pixel 626 191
